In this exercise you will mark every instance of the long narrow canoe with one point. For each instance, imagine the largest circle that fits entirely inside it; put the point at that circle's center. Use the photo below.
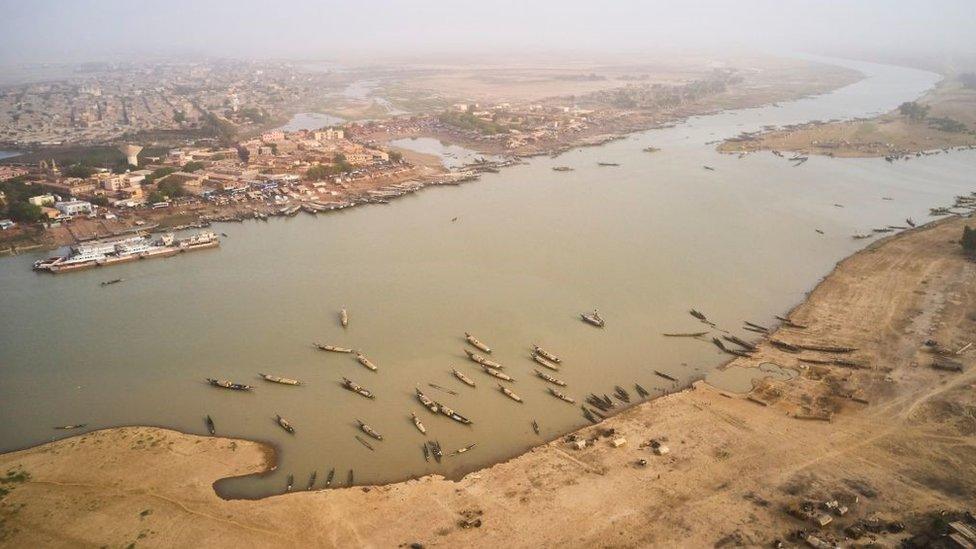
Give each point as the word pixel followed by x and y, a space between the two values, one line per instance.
pixel 464 379
pixel 279 379
pixel 368 430
pixel 344 317
pixel 495 373
pixel 509 393
pixel 477 343
pixel 332 348
pixel 285 424
pixel 482 360
pixel 549 378
pixel 225 384
pixel 419 424
pixel 357 388
pixel 546 354
pixel 365 361
pixel 545 363
pixel 561 396
pixel 426 401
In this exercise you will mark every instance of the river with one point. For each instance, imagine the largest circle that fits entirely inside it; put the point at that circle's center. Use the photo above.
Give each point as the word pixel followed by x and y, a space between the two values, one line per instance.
pixel 530 249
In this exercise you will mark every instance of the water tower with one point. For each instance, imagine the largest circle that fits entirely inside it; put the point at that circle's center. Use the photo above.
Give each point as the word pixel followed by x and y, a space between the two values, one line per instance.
pixel 131 153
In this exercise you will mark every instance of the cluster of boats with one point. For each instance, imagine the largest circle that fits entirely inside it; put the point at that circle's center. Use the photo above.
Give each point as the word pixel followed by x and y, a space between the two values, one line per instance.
pixel 594 409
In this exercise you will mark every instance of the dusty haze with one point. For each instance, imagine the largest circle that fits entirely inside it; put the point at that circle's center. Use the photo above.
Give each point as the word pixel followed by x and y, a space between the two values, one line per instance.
pixel 70 31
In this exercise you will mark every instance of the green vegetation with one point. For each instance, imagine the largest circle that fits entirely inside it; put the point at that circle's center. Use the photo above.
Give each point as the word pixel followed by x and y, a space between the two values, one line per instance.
pixel 947 125
pixel 192 166
pixel 79 170
pixel 170 189
pixel 254 115
pixel 17 208
pixel 396 156
pixel 470 122
pixel 318 172
pixel 179 117
pixel 159 174
pixel 969 240
pixel 914 111
pixel 99 201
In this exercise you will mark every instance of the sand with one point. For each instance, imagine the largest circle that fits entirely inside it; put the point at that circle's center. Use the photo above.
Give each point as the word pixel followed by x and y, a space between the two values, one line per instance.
pixel 890 134
pixel 734 464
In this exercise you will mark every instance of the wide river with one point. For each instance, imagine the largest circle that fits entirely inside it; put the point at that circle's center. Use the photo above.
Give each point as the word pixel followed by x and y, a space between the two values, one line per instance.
pixel 530 249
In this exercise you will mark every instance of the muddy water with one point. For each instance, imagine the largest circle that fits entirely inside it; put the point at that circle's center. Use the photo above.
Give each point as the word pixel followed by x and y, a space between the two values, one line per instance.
pixel 531 248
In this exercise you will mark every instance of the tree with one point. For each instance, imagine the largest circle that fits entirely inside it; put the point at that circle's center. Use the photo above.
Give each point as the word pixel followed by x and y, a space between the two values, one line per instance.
pixel 156 196
pixel 79 170
pixel 179 117
pixel 341 164
pixel 969 240
pixel 396 156
pixel 192 166
pixel 25 212
pixel 914 111
pixel 99 201
pixel 171 188
pixel 318 172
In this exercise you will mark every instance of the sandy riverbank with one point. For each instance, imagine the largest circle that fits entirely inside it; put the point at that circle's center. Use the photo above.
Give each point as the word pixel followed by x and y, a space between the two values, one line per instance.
pixel 891 134
pixel 734 464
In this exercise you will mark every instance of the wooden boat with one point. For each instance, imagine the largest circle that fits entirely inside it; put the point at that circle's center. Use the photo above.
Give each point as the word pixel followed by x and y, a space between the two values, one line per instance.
pixel 665 376
pixel 426 452
pixel 787 322
pixel 621 393
pixel 453 415
pixel 332 348
pixel 495 373
pixel 740 342
pixel 426 401
pixel 756 326
pixel 482 360
pixel 562 169
pixel 278 379
pixel 113 281
pixel 535 426
pixel 418 423
pixel 593 318
pixel 349 478
pixel 463 450
pixel 549 378
pixel 365 361
pixel 589 415
pixel 285 425
pixel 709 168
pixel 210 426
pixel 366 444
pixel 540 360
pixel 369 430
pixel 477 343
pixel 356 388
pixel 77 426
pixel 546 354
pixel 561 396
pixel 641 391
pixel 344 318
pixel 464 379
pixel 225 384
pixel 328 479
pixel 509 393
pixel 605 164
pixel 435 450
pixel 291 482
pixel 311 480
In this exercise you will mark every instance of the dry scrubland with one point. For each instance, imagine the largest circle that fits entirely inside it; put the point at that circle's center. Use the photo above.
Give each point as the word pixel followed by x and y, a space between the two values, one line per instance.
pixel 901 440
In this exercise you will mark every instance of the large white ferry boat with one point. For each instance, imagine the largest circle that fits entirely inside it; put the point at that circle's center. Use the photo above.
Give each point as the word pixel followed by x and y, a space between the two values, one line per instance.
pixel 110 252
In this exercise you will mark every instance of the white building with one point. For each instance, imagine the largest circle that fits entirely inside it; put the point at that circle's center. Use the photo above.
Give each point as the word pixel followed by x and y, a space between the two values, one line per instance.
pixel 73 207
pixel 42 200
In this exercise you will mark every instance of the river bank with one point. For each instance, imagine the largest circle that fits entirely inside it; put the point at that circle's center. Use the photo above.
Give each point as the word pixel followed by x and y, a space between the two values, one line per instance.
pixel 898 451
pixel 950 124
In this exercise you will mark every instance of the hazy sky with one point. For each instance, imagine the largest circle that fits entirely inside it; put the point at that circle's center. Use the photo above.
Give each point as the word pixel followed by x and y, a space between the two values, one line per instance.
pixel 79 30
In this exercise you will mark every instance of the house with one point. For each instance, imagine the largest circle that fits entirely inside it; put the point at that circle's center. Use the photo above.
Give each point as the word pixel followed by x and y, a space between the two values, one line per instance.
pixel 42 200
pixel 73 207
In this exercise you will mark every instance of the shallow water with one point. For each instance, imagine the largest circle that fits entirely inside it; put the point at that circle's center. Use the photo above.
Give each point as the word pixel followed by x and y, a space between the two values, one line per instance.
pixel 452 156
pixel 531 249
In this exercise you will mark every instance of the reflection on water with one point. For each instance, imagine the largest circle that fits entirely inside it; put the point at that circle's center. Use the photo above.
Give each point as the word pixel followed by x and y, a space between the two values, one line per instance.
pixel 530 249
